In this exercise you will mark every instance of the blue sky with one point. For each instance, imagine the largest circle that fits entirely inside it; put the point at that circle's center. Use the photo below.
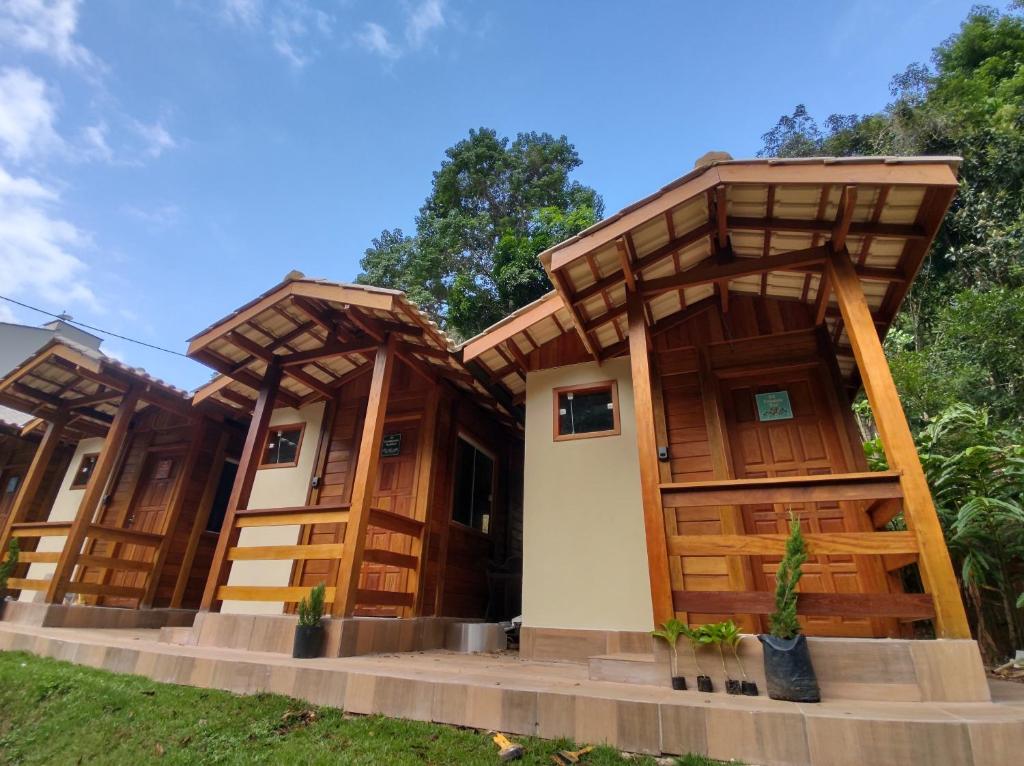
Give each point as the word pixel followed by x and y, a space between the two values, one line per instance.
pixel 162 163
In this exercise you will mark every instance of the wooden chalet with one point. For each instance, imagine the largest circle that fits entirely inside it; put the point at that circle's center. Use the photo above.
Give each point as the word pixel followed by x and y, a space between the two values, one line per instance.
pixel 17 446
pixel 111 505
pixel 376 462
pixel 687 386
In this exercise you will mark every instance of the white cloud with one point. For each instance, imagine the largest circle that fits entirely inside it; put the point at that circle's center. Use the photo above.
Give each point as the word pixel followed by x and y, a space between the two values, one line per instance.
pixel 374 38
pixel 45 26
pixel 26 116
pixel 161 216
pixel 246 13
pixel 424 19
pixel 155 137
pixel 36 246
pixel 96 146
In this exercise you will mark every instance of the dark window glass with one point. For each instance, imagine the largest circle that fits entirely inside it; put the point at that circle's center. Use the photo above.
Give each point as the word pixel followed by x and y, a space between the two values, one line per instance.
pixel 84 471
pixel 282 445
pixel 12 485
pixel 474 486
pixel 220 500
pixel 585 412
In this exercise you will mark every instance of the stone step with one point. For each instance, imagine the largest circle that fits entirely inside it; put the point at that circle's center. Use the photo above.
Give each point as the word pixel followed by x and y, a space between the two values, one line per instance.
pixel 175 636
pixel 629 668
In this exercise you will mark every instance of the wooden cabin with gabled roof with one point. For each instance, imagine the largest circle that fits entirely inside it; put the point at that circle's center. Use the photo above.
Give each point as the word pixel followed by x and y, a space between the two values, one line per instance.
pixel 376 461
pixel 111 508
pixel 687 386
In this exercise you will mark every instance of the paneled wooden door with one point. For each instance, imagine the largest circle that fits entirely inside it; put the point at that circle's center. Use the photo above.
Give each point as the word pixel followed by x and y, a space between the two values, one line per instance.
pixel 396 492
pixel 147 513
pixel 806 444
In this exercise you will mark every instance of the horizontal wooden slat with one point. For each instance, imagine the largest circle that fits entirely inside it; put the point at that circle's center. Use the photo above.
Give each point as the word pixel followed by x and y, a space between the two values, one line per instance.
pixel 395 522
pixel 39 557
pixel 41 529
pixel 129 536
pixel 19 583
pixel 285 552
pixel 383 598
pixel 818 544
pixel 267 593
pixel 284 519
pixel 790 489
pixel 105 562
pixel 101 589
pixel 390 558
pixel 908 605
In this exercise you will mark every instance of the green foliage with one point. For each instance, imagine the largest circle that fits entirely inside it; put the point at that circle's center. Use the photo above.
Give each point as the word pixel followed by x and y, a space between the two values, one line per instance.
pixel 783 622
pixel 7 567
pixel 730 635
pixel 311 608
pixel 671 631
pixel 493 207
pixel 58 713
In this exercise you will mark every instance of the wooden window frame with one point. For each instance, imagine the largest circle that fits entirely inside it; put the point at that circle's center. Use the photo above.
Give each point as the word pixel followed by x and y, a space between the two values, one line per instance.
pixel 301 425
pixel 74 478
pixel 586 388
pixel 475 443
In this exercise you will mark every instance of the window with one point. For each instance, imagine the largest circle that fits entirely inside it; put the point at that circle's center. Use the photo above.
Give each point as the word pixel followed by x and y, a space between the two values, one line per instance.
pixel 220 500
pixel 282 448
pixel 12 485
pixel 585 411
pixel 85 469
pixel 474 486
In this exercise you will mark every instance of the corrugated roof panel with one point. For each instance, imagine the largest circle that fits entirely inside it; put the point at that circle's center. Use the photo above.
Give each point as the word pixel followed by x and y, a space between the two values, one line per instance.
pixel 796 201
pixel 902 204
pixel 690 215
pixel 747 242
pixel 747 200
pixel 698 293
pixel 650 236
pixel 664 305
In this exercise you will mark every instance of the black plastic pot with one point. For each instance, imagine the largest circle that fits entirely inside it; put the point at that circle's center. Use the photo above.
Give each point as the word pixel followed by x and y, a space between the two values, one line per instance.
pixel 309 641
pixel 679 683
pixel 733 687
pixel 787 669
pixel 704 684
pixel 749 689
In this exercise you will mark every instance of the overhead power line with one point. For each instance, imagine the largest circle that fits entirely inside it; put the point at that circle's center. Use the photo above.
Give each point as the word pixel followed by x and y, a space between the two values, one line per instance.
pixel 66 318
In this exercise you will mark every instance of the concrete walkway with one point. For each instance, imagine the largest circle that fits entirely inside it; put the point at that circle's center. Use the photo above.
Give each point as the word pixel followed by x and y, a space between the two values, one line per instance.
pixel 552 699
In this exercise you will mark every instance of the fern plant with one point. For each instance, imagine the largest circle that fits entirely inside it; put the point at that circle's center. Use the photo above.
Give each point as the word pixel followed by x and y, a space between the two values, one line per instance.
pixel 7 567
pixel 783 622
pixel 311 608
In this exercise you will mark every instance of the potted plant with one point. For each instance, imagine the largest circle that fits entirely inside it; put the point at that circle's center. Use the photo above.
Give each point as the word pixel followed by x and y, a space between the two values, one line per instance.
pixel 670 633
pixel 700 637
pixel 309 633
pixel 730 635
pixel 7 569
pixel 787 660
pixel 716 631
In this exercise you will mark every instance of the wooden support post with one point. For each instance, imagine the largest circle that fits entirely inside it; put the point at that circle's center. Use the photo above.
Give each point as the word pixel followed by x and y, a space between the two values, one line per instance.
pixel 918 508
pixel 33 480
pixel 93 496
pixel 738 568
pixel 239 499
pixel 424 489
pixel 199 522
pixel 364 481
pixel 174 508
pixel 647 448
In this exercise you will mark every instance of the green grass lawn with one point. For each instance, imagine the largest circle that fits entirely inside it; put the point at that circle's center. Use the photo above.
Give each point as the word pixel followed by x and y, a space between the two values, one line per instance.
pixel 58 713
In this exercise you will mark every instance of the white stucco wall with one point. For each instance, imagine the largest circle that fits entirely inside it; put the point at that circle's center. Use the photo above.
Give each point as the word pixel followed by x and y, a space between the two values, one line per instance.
pixel 276 488
pixel 584 545
pixel 65 506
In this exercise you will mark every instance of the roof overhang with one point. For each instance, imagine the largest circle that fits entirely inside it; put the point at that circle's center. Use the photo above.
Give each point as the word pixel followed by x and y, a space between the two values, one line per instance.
pixel 323 334
pixel 87 385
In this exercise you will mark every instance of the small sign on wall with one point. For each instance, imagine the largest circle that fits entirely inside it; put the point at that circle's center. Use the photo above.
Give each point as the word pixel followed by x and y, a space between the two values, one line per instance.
pixel 391 445
pixel 774 405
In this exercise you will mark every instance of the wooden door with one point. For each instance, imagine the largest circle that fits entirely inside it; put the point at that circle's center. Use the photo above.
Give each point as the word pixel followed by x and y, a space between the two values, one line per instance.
pixel 808 443
pixel 396 492
pixel 147 514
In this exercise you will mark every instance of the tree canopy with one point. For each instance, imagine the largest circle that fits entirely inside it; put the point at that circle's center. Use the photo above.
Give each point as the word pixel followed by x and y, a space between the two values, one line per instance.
pixel 494 205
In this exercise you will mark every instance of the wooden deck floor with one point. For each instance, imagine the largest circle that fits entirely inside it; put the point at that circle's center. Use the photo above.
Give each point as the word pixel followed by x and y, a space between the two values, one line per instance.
pixel 551 699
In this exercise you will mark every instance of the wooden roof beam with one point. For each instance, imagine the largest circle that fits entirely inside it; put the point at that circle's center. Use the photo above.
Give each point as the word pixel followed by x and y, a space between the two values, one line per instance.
pixel 329 349
pixel 562 284
pixel 710 271
pixel 844 218
pixel 721 216
pixel 857 228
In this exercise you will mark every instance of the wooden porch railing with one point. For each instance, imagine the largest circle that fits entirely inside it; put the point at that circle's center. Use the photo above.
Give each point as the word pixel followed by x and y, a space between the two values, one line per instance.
pixel 880 492
pixel 36 530
pixel 319 514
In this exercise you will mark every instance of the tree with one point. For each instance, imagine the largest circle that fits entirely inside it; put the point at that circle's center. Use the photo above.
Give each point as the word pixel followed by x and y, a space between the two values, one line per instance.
pixel 494 206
